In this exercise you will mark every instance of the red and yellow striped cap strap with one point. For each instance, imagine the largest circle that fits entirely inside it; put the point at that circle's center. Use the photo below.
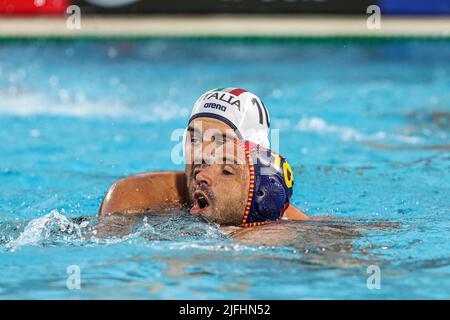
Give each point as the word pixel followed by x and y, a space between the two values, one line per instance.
pixel 246 146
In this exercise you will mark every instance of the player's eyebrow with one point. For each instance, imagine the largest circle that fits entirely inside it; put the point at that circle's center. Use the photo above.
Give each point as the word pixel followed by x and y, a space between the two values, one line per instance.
pixel 190 129
pixel 225 136
pixel 227 160
pixel 194 131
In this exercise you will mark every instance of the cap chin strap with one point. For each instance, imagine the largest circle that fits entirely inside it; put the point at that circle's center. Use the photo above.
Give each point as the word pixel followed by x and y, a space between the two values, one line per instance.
pixel 270 185
pixel 251 188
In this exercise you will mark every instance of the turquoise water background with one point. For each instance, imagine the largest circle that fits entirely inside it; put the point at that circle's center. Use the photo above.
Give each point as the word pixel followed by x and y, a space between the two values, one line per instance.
pixel 356 119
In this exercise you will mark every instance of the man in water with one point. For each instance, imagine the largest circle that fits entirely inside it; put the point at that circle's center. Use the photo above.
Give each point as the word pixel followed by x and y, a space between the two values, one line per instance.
pixel 217 183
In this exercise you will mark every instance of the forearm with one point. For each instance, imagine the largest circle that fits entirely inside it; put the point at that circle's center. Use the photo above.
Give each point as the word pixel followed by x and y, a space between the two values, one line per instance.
pixel 294 213
pixel 146 192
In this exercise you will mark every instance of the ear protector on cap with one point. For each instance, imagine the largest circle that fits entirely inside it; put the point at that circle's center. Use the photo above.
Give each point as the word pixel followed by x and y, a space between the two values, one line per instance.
pixel 271 185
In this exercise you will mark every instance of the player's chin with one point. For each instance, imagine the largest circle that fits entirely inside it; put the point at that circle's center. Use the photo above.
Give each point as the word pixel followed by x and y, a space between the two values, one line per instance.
pixel 213 216
pixel 206 212
pixel 223 220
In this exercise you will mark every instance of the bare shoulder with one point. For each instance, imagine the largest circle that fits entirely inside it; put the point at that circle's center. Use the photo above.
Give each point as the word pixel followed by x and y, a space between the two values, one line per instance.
pixel 145 192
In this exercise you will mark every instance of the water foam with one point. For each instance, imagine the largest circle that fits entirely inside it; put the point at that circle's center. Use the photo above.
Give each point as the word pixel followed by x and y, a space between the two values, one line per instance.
pixel 25 104
pixel 320 126
pixel 49 227
pixel 55 228
pixel 344 133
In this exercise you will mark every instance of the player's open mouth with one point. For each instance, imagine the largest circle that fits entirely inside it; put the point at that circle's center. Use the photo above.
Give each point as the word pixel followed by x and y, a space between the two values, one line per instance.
pixel 201 202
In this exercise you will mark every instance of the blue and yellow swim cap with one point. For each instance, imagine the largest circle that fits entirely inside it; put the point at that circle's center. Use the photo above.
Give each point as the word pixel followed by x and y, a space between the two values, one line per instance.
pixel 271 185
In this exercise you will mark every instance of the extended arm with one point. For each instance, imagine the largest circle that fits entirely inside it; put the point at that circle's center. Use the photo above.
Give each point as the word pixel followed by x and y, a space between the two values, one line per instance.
pixel 294 213
pixel 152 191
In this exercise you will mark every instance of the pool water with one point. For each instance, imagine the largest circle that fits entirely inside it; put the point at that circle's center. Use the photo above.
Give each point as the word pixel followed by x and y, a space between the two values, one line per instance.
pixel 356 119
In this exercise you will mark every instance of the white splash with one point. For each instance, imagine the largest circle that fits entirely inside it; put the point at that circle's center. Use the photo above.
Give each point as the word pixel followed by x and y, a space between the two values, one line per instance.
pixel 43 228
pixel 26 104
pixel 22 103
pixel 344 133
pixel 320 126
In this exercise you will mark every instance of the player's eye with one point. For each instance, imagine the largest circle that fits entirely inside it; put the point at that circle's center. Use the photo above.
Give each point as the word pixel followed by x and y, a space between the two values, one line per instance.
pixel 195 139
pixel 227 171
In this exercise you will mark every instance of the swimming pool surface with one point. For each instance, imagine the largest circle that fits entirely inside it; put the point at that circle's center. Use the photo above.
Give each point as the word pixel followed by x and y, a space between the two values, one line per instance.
pixel 353 116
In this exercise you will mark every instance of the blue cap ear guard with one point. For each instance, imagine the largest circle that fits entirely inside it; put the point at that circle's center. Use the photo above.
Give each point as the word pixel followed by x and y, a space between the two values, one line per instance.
pixel 271 183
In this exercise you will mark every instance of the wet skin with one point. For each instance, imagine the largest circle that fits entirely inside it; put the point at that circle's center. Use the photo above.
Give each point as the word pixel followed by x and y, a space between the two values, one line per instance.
pixel 224 187
pixel 217 174
pixel 217 191
pixel 327 242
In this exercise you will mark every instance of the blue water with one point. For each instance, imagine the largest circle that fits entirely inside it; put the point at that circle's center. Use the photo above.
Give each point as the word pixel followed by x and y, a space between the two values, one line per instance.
pixel 353 116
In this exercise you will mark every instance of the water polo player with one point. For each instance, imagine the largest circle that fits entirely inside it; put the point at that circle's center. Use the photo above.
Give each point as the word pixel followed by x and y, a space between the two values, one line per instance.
pixel 258 185
pixel 217 190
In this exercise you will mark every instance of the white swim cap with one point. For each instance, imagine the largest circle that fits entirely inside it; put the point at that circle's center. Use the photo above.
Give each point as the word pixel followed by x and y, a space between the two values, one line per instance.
pixel 243 111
